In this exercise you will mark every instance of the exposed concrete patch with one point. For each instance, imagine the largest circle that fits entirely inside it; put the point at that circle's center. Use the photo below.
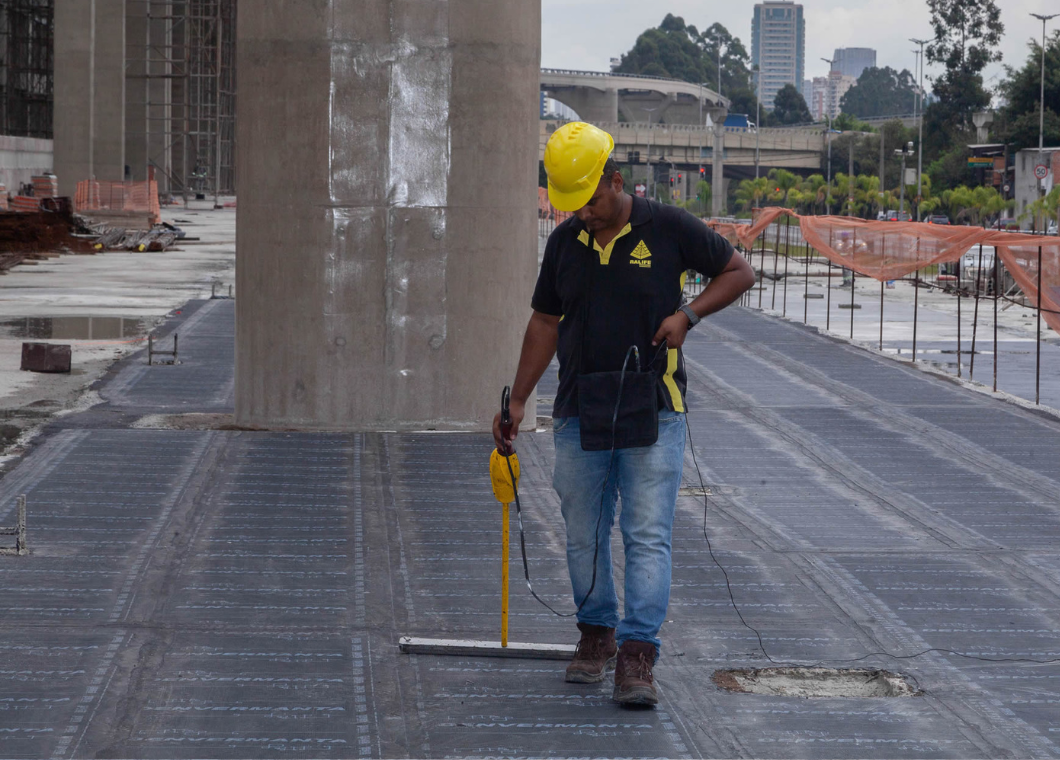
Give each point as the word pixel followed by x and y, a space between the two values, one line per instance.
pixel 815 682
pixel 193 421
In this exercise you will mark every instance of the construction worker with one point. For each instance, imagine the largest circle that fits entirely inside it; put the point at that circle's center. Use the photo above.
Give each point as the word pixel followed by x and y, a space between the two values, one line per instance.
pixel 612 278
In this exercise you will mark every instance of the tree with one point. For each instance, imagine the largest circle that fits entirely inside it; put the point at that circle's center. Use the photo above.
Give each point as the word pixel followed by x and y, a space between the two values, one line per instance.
pixel 967 38
pixel 880 92
pixel 680 51
pixel 967 34
pixel 789 106
pixel 1018 123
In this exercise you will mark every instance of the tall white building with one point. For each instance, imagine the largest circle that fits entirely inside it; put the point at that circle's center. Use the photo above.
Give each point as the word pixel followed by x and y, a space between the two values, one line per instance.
pixel 827 93
pixel 778 47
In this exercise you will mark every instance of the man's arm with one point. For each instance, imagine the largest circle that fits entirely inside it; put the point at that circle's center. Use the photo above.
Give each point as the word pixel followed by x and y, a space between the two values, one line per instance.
pixel 732 282
pixel 539 346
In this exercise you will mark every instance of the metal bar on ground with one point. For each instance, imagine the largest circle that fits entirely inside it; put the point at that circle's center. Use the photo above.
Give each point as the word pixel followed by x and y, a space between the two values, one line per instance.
pixel 882 284
pixel 776 254
pixel 1038 347
pixel 853 282
pixel 468 648
pixel 975 314
pixel 916 303
pixel 959 367
pixel 996 294
pixel 787 257
pixel 806 288
pixel 762 269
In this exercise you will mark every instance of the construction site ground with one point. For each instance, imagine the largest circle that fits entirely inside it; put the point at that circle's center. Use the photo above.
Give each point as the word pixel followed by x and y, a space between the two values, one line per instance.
pixel 205 592
pixel 103 306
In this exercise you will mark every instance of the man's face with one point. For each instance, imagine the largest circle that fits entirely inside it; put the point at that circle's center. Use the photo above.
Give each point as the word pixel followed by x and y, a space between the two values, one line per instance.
pixel 605 207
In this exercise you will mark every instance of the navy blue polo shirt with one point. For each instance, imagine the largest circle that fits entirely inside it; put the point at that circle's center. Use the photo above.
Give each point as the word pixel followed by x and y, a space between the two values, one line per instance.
pixel 615 296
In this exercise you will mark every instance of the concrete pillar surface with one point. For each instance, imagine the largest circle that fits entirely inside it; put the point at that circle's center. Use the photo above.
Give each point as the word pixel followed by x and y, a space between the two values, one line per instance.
pixel 89 91
pixel 387 229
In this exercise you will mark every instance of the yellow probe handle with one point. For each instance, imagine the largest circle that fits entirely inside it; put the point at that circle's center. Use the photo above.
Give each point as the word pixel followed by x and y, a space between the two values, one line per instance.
pixel 504 577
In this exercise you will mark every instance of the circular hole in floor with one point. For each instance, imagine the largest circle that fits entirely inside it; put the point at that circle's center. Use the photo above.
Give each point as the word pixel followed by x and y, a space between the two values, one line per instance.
pixel 815 682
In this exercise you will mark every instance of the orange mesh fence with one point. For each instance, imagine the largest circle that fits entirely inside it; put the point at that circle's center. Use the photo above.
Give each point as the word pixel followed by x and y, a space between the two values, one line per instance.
pixel 886 250
pixel 546 210
pixel 891 250
pixel 1021 256
pixel 133 197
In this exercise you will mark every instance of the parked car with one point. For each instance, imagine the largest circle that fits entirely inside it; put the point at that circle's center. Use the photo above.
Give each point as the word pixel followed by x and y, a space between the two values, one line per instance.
pixel 897 216
pixel 938 219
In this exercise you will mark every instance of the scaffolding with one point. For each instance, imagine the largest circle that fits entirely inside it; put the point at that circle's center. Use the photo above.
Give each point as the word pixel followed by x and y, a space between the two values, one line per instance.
pixel 181 57
pixel 27 71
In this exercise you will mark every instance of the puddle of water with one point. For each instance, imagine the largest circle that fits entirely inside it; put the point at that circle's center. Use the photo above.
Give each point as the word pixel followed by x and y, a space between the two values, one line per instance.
pixel 76 328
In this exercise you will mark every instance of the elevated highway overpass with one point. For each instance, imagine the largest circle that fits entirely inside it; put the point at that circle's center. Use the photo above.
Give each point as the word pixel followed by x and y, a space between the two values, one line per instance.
pixel 687 147
pixel 601 97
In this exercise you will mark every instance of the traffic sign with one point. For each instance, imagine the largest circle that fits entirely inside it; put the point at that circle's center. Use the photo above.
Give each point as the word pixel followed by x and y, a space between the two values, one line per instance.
pixel 1041 171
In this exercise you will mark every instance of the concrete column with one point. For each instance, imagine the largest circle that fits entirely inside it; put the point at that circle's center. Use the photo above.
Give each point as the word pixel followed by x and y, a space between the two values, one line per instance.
pixel 109 90
pixel 89 91
pixel 387 233
pixel 73 122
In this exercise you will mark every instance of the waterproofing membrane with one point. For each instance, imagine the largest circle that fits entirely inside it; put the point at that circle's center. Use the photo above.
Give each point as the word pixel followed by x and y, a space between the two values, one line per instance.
pixel 240 594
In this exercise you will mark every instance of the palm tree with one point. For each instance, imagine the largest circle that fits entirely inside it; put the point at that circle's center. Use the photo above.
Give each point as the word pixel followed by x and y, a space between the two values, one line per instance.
pixel 751 192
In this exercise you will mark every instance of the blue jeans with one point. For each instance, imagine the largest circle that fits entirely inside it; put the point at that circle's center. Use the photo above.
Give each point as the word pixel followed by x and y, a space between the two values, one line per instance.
pixel 647 479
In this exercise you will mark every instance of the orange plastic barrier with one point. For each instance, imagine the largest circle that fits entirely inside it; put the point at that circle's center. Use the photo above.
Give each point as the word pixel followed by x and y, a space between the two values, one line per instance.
pixel 135 197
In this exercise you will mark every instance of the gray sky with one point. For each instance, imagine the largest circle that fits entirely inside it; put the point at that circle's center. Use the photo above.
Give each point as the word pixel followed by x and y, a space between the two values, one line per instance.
pixel 586 34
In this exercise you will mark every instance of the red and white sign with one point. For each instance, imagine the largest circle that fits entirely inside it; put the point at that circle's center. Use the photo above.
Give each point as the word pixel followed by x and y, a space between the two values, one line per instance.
pixel 640 189
pixel 1041 171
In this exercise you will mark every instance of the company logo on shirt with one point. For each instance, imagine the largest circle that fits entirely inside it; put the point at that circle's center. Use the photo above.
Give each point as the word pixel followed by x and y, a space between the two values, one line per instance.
pixel 640 256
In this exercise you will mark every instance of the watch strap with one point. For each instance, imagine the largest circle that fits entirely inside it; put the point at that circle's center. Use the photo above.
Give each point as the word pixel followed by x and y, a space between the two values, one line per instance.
pixel 693 320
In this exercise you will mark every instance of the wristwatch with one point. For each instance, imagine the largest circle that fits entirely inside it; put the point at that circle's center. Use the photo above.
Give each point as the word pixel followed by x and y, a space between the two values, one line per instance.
pixel 693 320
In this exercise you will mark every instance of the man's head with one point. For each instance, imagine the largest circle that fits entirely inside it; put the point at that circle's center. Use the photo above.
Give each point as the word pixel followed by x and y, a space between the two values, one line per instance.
pixel 605 206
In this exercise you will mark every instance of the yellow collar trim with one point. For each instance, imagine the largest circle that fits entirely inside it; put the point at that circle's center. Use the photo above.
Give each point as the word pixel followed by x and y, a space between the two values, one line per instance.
pixel 605 252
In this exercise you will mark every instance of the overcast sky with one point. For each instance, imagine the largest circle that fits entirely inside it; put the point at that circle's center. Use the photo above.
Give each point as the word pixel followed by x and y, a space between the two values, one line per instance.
pixel 586 34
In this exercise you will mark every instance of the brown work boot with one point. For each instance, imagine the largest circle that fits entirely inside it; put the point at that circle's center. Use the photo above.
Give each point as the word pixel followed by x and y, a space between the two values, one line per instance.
pixel 634 684
pixel 594 656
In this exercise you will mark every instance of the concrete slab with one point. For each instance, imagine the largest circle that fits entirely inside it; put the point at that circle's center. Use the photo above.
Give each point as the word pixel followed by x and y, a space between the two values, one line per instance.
pixel 241 594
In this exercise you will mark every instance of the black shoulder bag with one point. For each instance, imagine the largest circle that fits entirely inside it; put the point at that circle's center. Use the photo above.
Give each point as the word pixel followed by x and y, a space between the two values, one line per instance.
pixel 619 409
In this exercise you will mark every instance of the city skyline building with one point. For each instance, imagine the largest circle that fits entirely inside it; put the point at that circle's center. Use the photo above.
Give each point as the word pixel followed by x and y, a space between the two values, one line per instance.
pixel 852 62
pixel 778 47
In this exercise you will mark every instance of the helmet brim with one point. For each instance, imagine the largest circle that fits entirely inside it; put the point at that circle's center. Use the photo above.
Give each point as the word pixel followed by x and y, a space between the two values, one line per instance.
pixel 571 201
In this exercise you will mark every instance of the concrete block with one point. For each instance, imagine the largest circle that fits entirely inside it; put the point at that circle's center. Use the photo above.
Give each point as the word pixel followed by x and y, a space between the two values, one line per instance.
pixel 45 357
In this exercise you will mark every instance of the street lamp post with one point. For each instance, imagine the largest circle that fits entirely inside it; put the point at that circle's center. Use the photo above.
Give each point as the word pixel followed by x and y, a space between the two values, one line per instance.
pixel 828 116
pixel 758 113
pixel 1041 114
pixel 903 152
pixel 920 139
pixel 651 143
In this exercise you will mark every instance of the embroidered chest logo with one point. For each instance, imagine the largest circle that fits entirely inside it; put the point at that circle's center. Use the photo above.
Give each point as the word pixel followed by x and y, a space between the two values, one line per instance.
pixel 641 256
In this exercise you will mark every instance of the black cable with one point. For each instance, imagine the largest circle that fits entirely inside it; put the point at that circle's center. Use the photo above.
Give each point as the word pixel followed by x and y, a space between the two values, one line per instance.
pixel 635 352
pixel 761 644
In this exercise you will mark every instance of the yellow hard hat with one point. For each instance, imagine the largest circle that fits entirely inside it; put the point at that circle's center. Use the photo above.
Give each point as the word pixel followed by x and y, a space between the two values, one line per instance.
pixel 574 162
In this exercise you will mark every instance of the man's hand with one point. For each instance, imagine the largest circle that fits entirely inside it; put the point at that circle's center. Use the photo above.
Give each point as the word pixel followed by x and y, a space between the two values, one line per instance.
pixel 673 330
pixel 505 445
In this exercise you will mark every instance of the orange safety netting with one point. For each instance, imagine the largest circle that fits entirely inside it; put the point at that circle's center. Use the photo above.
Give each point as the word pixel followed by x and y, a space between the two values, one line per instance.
pixel 889 250
pixel 135 197
pixel 546 210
